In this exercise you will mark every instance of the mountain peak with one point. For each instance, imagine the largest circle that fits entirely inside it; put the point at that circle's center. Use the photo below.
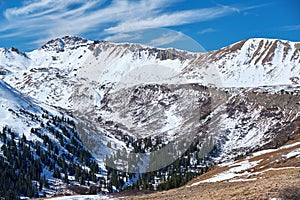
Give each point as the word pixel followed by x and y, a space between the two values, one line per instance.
pixel 60 44
pixel 262 51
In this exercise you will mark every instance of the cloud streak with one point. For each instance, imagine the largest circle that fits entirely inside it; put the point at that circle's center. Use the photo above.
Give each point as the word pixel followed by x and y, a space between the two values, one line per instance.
pixel 166 39
pixel 41 20
pixel 208 30
pixel 173 19
pixel 291 28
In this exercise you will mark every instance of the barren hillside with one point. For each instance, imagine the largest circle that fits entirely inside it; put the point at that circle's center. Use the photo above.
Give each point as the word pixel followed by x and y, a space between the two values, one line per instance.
pixel 265 174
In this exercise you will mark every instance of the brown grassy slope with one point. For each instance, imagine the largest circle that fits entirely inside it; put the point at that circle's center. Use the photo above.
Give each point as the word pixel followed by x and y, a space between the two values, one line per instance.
pixel 265 187
pixel 268 183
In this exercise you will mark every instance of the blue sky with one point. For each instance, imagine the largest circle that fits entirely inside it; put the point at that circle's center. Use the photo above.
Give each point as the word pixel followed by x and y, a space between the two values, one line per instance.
pixel 186 24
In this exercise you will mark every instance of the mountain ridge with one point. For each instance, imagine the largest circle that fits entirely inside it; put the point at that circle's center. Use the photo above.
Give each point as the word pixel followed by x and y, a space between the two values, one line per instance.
pixel 257 58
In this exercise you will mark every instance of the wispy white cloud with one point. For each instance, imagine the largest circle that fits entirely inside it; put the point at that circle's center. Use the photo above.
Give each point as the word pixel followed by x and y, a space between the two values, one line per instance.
pixel 41 20
pixel 40 7
pixel 124 36
pixel 172 19
pixel 204 31
pixel 291 28
pixel 255 6
pixel 118 37
pixel 167 39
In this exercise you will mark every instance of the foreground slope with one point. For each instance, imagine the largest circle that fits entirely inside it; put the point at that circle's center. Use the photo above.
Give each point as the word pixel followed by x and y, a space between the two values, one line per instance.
pixel 266 174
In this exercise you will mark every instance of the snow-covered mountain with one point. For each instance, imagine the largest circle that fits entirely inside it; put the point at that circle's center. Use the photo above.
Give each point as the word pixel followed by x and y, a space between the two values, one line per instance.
pixel 61 66
pixel 128 98
pixel 54 72
pixel 249 63
pixel 109 81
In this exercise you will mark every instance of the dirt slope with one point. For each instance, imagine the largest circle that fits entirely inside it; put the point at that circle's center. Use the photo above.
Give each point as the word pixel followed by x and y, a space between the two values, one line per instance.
pixel 262 175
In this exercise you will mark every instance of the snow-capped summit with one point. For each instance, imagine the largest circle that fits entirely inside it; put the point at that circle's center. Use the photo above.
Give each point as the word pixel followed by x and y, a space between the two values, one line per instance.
pixel 66 42
pixel 250 63
pixel 12 61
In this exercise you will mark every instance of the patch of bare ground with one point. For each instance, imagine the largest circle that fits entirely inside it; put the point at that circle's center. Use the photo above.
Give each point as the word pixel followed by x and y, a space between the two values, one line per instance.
pixel 266 186
pixel 270 178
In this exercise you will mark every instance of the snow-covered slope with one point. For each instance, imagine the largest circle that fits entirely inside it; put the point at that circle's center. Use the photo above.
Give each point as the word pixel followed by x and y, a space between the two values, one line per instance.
pixel 11 103
pixel 238 120
pixel 249 63
pixel 42 142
